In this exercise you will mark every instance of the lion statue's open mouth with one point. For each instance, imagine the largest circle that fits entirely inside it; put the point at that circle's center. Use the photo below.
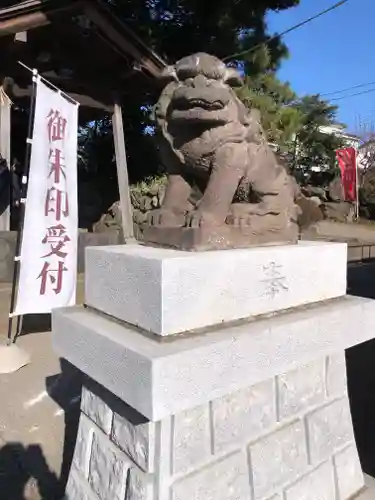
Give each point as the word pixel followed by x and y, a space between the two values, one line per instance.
pixel 186 104
pixel 200 100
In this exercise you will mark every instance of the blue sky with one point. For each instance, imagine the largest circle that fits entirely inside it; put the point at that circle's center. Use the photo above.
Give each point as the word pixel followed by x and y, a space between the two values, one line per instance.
pixel 331 53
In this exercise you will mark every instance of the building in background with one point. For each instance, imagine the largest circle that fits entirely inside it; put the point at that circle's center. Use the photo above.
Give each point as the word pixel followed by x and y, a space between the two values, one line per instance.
pixel 338 130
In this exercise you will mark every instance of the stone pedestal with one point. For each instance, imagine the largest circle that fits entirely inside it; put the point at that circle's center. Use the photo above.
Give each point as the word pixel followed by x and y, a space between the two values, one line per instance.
pixel 253 409
pixel 170 291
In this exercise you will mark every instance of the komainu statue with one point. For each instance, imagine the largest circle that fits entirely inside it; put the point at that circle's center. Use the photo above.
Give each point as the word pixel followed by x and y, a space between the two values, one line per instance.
pixel 225 187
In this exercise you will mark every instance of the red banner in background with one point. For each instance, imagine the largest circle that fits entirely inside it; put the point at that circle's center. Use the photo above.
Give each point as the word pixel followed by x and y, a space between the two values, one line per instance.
pixel 347 159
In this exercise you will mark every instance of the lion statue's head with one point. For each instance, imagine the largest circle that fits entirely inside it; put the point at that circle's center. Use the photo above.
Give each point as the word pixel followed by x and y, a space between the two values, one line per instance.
pixel 199 95
pixel 199 91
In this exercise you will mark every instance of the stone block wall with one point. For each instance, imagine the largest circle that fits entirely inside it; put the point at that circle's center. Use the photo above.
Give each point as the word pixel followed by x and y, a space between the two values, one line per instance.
pixel 289 438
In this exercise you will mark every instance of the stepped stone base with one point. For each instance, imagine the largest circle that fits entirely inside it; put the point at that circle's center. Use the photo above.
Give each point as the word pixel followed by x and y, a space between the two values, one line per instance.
pixel 159 378
pixel 252 409
pixel 289 435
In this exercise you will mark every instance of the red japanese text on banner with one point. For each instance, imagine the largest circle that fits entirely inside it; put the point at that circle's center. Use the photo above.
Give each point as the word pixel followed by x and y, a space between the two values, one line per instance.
pixel 48 260
pixel 347 159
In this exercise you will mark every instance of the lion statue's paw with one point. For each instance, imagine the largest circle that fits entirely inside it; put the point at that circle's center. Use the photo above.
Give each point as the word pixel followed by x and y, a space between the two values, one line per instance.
pixel 200 218
pixel 165 217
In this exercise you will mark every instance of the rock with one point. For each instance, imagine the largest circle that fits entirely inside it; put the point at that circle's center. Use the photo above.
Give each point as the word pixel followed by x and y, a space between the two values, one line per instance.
pixel 145 204
pixel 310 212
pixel 154 189
pixel 139 217
pixel 309 191
pixel 295 187
pixel 135 197
pixel 110 221
pixel 336 190
pixel 161 194
pixel 340 212
pixel 316 200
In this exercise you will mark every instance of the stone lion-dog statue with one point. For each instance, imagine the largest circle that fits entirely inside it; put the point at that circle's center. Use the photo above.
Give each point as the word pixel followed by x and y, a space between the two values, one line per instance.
pixel 211 144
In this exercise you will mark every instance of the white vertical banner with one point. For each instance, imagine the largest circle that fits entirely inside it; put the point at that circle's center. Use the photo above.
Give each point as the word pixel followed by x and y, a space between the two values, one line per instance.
pixel 48 257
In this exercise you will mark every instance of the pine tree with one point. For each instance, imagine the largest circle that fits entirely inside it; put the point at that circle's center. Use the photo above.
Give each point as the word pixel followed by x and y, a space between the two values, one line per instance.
pixel 264 91
pixel 315 148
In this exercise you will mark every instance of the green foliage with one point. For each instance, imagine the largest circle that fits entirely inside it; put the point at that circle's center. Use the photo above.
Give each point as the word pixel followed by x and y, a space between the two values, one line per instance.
pixel 314 148
pixel 291 123
pixel 149 186
pixel 317 112
pixel 175 28
pixel 273 98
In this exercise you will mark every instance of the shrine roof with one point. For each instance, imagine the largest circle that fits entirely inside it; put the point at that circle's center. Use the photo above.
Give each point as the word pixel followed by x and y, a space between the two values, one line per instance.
pixel 79 45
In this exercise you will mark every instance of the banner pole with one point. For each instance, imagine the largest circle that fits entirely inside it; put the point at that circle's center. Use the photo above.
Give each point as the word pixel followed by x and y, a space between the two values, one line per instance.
pixel 25 179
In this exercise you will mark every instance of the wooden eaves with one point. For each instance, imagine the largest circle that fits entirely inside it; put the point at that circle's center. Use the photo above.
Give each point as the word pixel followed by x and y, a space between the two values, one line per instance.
pixel 30 15
pixel 99 69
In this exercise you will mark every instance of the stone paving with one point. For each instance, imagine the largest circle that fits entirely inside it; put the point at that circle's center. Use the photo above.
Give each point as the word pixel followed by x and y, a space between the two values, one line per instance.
pixel 37 403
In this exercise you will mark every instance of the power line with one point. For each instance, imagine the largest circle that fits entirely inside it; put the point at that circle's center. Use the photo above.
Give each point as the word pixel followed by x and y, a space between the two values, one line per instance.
pixel 352 95
pixel 348 88
pixel 289 30
pixel 338 98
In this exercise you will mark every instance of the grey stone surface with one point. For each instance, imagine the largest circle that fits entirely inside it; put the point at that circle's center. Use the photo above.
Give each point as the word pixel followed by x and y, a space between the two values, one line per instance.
pixel 369 490
pixel 86 240
pixel 208 238
pixel 191 438
pixel 336 375
pixel 82 451
pixel 137 441
pixel 333 230
pixel 298 389
pixel 98 411
pixel 225 480
pixel 273 466
pixel 355 253
pixel 7 252
pixel 243 415
pixel 279 458
pixel 140 486
pixel 108 470
pixel 317 485
pixel 329 429
pixel 76 488
pixel 168 291
pixel 159 378
pixel 349 474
